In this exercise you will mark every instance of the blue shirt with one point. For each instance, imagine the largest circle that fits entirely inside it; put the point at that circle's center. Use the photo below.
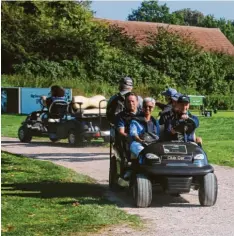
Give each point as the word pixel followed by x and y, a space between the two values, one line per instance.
pixel 137 129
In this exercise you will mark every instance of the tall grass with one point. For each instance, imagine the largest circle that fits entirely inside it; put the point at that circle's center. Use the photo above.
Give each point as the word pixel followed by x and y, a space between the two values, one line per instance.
pixel 79 86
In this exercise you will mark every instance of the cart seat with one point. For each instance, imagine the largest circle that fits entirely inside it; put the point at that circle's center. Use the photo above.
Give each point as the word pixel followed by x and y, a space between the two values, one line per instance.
pixel 81 102
pixel 94 111
pixel 57 110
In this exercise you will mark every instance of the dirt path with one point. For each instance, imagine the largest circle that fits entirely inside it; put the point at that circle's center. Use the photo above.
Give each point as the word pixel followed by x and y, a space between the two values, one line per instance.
pixel 167 215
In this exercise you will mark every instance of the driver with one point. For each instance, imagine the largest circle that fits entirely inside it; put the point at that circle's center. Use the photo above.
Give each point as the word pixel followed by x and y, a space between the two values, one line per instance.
pixel 178 113
pixel 57 93
pixel 139 128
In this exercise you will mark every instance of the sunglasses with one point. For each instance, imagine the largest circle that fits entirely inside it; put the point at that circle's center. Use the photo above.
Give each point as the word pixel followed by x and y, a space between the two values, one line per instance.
pixel 150 107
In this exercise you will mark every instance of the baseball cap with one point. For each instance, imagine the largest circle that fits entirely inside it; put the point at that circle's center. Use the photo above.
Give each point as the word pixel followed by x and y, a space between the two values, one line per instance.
pixel 126 81
pixel 169 92
pixel 183 98
pixel 176 96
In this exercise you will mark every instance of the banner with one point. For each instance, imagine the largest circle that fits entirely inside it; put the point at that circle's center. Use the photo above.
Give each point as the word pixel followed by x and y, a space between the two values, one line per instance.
pixel 31 98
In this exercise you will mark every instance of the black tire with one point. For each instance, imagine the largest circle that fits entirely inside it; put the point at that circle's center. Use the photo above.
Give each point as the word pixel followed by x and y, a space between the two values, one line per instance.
pixel 73 138
pixel 142 191
pixel 208 190
pixel 24 134
pixel 113 174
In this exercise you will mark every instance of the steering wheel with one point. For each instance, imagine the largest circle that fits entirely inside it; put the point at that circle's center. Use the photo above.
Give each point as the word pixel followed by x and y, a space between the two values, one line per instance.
pixel 185 126
pixel 149 139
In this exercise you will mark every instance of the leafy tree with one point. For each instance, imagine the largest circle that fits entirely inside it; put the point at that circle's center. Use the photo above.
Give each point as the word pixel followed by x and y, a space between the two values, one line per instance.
pixel 189 17
pixel 151 11
pixel 173 55
pixel 54 31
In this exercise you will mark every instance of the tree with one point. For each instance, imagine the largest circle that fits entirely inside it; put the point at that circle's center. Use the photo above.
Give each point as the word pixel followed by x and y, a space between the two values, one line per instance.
pixel 189 17
pixel 151 11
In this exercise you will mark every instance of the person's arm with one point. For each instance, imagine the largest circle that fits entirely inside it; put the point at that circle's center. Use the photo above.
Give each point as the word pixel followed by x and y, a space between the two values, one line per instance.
pixel 122 131
pixel 135 132
pixel 160 105
pixel 121 126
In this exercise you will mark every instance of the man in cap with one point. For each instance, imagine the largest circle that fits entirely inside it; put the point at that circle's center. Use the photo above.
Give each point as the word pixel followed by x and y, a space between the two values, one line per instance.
pixel 179 113
pixel 116 103
pixel 169 93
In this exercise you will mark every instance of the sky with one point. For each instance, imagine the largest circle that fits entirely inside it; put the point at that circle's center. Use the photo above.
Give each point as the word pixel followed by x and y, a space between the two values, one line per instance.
pixel 119 10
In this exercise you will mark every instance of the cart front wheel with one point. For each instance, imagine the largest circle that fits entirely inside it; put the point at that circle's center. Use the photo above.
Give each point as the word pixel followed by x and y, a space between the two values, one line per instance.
pixel 24 134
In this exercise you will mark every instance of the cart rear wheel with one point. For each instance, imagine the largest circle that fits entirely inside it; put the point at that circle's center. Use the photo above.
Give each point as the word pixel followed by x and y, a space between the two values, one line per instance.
pixel 142 191
pixel 208 190
pixel 24 134
pixel 54 140
pixel 74 138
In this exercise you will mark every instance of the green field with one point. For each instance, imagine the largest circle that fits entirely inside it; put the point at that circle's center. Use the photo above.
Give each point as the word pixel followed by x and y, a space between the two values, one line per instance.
pixel 41 198
pixel 217 133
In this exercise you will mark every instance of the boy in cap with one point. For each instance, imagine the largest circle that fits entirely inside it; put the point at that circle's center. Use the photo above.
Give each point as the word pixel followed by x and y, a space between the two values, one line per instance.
pixel 169 93
pixel 116 103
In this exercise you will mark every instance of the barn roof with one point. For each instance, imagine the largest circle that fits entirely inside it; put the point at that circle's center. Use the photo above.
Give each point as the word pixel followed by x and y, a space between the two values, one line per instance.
pixel 211 39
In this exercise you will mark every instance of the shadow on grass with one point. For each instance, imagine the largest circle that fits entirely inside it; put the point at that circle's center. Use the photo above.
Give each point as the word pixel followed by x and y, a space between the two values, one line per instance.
pixel 37 143
pixel 53 190
pixel 92 194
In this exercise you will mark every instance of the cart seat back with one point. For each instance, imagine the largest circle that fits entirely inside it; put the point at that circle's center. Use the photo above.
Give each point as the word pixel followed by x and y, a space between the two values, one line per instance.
pixel 57 110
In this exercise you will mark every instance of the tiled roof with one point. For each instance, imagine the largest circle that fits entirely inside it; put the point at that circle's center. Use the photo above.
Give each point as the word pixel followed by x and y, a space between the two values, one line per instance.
pixel 211 39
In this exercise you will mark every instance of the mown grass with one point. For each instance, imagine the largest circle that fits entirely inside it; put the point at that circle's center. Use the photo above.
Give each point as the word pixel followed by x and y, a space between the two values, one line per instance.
pixel 217 133
pixel 40 198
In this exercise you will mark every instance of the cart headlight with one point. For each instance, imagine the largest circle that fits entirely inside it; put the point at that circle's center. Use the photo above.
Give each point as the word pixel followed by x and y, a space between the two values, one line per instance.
pixel 199 157
pixel 151 156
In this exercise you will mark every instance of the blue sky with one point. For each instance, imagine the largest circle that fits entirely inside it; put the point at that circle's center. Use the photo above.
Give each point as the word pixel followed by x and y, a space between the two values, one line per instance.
pixel 119 10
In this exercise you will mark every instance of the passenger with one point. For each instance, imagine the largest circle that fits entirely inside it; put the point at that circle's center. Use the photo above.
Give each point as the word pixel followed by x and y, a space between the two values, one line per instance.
pixel 178 113
pixel 116 102
pixel 131 110
pixel 169 93
pixel 139 128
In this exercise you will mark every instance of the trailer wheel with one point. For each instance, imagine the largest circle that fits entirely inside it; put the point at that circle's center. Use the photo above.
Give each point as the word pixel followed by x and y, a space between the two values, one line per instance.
pixel 142 191
pixel 24 134
pixel 208 190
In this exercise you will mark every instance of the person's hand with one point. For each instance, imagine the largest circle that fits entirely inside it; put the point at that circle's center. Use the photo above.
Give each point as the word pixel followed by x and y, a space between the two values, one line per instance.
pixel 199 140
pixel 173 131
pixel 184 117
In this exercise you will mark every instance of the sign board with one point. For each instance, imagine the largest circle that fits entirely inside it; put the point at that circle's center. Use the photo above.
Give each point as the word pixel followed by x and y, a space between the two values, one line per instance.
pixel 10 100
pixel 196 100
pixel 30 98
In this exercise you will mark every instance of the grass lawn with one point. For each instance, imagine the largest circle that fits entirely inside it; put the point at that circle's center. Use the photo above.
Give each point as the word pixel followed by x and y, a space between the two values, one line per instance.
pixel 217 133
pixel 40 198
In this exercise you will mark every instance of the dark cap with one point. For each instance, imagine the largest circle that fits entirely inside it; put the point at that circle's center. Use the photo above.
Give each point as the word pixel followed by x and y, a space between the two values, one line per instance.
pixel 183 98
pixel 126 81
pixel 169 92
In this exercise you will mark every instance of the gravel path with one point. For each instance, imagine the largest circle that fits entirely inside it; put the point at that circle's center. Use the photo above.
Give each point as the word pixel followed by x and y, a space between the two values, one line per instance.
pixel 167 216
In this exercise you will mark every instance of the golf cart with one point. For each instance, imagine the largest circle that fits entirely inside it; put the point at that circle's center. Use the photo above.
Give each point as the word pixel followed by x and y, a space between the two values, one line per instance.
pixel 177 166
pixel 62 120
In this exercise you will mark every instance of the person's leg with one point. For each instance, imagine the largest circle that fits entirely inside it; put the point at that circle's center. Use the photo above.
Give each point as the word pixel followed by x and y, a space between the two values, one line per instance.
pixel 136 148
